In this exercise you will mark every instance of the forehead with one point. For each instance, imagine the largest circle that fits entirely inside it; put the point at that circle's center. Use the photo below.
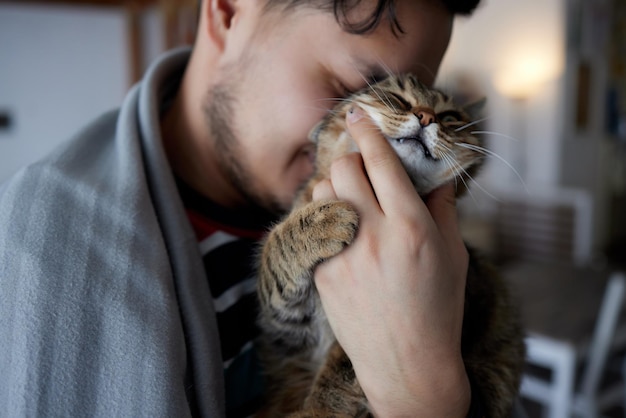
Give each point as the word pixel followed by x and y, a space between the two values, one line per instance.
pixel 315 33
pixel 426 29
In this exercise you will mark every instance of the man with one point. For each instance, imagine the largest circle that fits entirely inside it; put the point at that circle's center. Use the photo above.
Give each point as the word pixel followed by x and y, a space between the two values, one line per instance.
pixel 109 308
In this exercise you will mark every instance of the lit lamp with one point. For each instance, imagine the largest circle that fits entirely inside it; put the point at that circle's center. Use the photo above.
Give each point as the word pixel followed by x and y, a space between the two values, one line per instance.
pixel 523 77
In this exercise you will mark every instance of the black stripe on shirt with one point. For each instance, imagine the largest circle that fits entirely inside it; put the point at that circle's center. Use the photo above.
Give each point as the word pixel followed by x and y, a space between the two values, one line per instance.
pixel 230 264
pixel 237 325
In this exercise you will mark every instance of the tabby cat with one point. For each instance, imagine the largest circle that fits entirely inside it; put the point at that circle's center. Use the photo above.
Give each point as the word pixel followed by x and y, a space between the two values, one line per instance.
pixel 309 374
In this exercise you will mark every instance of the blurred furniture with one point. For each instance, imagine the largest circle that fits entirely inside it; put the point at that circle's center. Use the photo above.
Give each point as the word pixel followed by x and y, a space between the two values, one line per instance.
pixel 571 333
pixel 572 312
pixel 548 225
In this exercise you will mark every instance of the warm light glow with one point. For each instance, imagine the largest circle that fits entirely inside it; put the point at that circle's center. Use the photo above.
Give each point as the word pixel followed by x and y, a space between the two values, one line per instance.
pixel 526 71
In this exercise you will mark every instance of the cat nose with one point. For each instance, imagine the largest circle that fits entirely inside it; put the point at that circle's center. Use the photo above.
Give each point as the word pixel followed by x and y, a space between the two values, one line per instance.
pixel 425 116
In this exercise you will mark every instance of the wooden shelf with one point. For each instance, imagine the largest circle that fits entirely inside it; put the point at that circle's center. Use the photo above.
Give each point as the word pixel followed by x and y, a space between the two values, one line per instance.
pixel 105 3
pixel 178 16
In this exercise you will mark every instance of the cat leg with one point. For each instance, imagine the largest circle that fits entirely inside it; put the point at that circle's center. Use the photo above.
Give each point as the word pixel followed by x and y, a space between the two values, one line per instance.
pixel 493 338
pixel 335 391
pixel 305 238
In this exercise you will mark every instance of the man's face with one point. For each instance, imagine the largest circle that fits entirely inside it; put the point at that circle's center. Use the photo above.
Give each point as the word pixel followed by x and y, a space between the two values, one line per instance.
pixel 288 69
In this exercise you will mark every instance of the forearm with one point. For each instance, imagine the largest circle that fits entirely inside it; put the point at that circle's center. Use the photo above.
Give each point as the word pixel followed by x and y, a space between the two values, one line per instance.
pixel 443 391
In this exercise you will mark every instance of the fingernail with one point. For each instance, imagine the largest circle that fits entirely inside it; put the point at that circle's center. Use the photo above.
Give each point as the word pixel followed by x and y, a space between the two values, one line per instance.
pixel 354 115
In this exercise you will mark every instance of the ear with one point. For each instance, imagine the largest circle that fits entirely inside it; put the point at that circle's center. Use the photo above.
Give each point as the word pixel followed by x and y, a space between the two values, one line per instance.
pixel 219 18
pixel 475 109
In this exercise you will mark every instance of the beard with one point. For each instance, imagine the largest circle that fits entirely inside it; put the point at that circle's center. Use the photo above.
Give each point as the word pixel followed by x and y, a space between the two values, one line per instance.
pixel 219 108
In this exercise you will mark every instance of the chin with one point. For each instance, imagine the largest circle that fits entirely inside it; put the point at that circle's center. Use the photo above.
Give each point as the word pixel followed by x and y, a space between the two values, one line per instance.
pixel 280 199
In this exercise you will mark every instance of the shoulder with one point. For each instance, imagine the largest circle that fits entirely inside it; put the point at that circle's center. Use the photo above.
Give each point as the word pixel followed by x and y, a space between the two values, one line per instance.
pixel 57 184
pixel 59 213
pixel 85 282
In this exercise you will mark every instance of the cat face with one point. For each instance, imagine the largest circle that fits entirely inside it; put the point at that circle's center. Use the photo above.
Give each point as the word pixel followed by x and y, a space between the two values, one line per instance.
pixel 424 127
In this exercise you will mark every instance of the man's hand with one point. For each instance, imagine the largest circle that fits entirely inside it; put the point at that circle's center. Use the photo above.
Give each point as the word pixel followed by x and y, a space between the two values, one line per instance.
pixel 395 296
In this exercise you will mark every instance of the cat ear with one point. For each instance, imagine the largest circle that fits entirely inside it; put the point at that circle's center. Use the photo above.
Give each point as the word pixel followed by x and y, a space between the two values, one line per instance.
pixel 315 131
pixel 475 109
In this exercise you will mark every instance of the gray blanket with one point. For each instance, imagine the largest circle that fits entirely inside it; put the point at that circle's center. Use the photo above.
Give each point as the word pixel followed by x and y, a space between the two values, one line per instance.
pixel 104 305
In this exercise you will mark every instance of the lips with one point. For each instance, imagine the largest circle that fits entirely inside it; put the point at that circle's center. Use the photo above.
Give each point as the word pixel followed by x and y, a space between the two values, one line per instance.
pixel 417 140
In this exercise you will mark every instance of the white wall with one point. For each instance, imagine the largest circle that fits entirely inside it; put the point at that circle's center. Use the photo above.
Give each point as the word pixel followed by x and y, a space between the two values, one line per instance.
pixel 487 45
pixel 558 155
pixel 60 67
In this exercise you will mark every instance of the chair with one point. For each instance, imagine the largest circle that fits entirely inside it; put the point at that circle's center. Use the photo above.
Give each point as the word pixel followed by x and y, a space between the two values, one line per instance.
pixel 545 241
pixel 560 394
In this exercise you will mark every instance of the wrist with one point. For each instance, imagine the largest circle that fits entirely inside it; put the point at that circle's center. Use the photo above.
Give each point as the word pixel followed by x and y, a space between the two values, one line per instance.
pixel 445 393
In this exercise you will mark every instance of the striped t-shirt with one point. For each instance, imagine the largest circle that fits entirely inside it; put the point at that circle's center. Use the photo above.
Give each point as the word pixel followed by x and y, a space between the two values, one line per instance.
pixel 228 243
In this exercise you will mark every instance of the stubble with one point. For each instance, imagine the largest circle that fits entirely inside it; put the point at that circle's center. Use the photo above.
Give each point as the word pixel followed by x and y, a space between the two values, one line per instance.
pixel 220 108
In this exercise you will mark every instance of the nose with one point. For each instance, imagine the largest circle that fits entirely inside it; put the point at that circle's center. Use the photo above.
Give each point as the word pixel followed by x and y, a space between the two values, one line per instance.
pixel 425 116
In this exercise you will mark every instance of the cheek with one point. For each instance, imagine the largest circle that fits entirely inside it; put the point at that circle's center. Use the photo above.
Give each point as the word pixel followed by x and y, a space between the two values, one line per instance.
pixel 294 106
pixel 304 103
pixel 279 144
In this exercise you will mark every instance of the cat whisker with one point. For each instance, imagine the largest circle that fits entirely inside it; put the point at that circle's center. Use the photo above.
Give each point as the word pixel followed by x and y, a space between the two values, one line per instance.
pixel 471 124
pixel 429 71
pixel 333 108
pixel 458 169
pixel 367 82
pixel 334 101
pixel 491 195
pixel 487 152
pixel 387 103
pixel 495 134
pixel 484 190
pixel 449 161
pixel 390 106
pixel 385 67
pixel 390 73
pixel 445 147
pixel 326 112
pixel 385 100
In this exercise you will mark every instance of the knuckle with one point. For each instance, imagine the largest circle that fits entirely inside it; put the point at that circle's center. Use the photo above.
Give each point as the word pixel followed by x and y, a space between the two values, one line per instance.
pixel 382 160
pixel 323 190
pixel 413 233
pixel 344 163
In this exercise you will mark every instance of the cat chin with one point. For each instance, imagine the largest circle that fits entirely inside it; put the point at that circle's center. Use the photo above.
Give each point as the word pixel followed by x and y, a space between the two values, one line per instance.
pixel 422 187
pixel 413 155
pixel 421 170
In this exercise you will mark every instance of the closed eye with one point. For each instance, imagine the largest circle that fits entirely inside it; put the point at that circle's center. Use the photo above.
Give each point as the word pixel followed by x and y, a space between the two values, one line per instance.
pixel 368 82
pixel 343 90
pixel 404 104
pixel 450 117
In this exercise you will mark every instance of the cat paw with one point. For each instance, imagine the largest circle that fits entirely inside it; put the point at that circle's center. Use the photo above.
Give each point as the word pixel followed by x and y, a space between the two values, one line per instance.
pixel 327 227
pixel 308 236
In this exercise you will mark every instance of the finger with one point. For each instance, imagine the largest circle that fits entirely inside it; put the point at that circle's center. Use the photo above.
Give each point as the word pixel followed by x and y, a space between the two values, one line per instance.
pixel 442 206
pixel 351 184
pixel 384 169
pixel 324 191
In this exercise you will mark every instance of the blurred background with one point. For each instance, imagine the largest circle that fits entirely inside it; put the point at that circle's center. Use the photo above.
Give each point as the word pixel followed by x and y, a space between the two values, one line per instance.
pixel 549 206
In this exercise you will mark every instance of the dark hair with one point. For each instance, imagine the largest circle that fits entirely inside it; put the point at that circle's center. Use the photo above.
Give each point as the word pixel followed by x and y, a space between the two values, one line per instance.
pixel 342 8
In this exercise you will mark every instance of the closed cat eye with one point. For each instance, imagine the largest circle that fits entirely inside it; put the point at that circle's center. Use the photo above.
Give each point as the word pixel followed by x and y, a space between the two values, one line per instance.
pixel 450 116
pixel 404 104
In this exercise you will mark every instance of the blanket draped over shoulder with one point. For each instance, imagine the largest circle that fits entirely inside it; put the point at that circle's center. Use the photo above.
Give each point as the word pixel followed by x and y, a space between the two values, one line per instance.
pixel 104 305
